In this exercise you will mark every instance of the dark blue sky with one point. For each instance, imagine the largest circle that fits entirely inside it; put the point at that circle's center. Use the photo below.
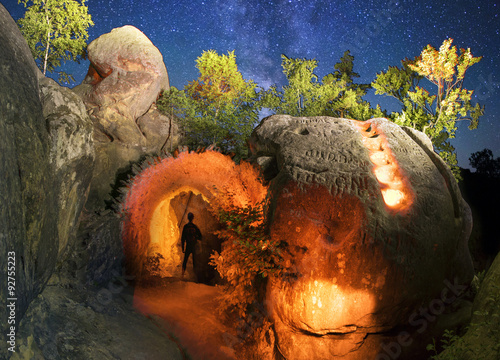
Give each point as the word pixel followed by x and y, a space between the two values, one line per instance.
pixel 378 33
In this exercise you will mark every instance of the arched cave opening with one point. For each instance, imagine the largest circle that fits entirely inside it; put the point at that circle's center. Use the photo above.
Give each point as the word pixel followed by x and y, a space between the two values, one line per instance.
pixel 164 254
pixel 159 197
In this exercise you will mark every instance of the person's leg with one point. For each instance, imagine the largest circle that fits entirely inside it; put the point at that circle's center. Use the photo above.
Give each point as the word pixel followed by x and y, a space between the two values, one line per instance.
pixel 194 264
pixel 184 263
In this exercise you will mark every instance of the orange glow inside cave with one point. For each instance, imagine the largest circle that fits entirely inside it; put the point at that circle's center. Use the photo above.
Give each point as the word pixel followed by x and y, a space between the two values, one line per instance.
pixel 156 204
pixel 395 189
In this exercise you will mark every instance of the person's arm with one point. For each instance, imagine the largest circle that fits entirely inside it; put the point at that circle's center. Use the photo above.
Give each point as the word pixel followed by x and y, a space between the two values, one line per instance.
pixel 198 234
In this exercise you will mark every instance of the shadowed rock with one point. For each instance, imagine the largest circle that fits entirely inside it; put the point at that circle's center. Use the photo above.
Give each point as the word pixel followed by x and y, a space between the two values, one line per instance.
pixel 27 209
pixel 71 154
pixel 46 160
pixel 481 339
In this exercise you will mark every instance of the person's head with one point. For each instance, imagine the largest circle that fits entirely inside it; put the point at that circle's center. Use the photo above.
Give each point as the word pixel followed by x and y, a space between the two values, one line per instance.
pixel 190 216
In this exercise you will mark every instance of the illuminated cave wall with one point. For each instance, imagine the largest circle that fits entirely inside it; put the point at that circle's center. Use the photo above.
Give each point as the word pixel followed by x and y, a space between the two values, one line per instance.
pixel 167 223
pixel 156 201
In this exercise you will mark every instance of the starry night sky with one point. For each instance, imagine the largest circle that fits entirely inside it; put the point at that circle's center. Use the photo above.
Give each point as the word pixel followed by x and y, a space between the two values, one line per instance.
pixel 378 33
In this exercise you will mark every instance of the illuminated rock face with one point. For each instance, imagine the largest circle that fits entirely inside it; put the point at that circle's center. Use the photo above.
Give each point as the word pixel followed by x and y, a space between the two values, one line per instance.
pixel 156 204
pixel 126 73
pixel 376 226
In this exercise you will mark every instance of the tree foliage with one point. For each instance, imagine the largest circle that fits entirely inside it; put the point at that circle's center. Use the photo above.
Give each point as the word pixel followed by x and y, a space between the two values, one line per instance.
pixel 336 95
pixel 247 258
pixel 56 30
pixel 220 107
pixel 437 114
pixel 484 163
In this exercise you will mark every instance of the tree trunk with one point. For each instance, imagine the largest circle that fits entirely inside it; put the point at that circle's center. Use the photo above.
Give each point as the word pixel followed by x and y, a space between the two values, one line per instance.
pixel 48 40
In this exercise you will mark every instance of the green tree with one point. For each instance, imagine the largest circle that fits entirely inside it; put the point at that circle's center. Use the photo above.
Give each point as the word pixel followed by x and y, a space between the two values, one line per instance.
pixel 484 163
pixel 337 95
pixel 435 115
pixel 220 107
pixel 55 30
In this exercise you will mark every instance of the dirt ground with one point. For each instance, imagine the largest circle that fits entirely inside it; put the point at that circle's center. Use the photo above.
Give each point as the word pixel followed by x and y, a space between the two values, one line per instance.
pixel 188 312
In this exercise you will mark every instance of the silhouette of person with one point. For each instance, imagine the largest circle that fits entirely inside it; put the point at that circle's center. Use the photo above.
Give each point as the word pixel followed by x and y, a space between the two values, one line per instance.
pixel 190 234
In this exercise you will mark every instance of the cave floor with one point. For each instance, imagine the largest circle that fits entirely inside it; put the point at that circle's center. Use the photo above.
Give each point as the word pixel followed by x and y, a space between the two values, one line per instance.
pixel 187 311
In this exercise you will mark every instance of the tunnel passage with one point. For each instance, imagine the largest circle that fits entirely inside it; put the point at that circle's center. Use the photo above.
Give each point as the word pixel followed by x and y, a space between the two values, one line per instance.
pixel 163 192
pixel 167 223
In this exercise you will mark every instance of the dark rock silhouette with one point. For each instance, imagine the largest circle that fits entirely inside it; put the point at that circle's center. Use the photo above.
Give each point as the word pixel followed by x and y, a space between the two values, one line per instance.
pixel 481 339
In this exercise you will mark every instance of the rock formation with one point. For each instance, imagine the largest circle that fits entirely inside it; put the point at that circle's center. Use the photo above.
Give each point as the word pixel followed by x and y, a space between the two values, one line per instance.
pixel 482 338
pixel 28 201
pixel 46 160
pixel 71 154
pixel 126 73
pixel 376 226
pixel 125 77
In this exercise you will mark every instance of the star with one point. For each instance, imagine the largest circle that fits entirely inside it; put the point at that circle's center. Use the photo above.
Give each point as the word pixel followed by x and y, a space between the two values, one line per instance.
pixel 378 33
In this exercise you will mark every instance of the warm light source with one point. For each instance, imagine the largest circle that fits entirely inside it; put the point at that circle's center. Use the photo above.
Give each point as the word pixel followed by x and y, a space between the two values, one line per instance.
pixel 148 217
pixel 395 189
pixel 392 197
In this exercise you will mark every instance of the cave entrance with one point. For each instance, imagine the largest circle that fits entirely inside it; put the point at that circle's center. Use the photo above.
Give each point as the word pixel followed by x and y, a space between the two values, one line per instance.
pixel 164 253
pixel 154 208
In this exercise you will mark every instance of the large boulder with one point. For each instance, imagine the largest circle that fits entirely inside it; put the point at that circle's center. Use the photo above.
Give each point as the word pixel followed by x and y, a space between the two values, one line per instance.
pixel 127 74
pixel 28 240
pixel 46 159
pixel 125 77
pixel 376 227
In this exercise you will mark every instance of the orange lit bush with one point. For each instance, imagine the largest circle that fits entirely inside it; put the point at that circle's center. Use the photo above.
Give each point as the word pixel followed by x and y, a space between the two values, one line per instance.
pixel 248 256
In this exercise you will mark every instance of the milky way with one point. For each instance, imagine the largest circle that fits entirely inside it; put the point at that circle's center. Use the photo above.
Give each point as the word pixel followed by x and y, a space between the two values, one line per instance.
pixel 378 33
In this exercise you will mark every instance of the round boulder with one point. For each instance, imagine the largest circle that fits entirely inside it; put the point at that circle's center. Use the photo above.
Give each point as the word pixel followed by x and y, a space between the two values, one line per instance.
pixel 127 74
pixel 376 229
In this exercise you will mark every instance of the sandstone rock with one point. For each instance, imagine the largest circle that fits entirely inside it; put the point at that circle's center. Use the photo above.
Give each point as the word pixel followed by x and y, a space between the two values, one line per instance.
pixel 376 227
pixel 97 255
pixel 71 154
pixel 27 197
pixel 161 132
pixel 127 73
pixel 46 159
pixel 125 77
pixel 112 165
